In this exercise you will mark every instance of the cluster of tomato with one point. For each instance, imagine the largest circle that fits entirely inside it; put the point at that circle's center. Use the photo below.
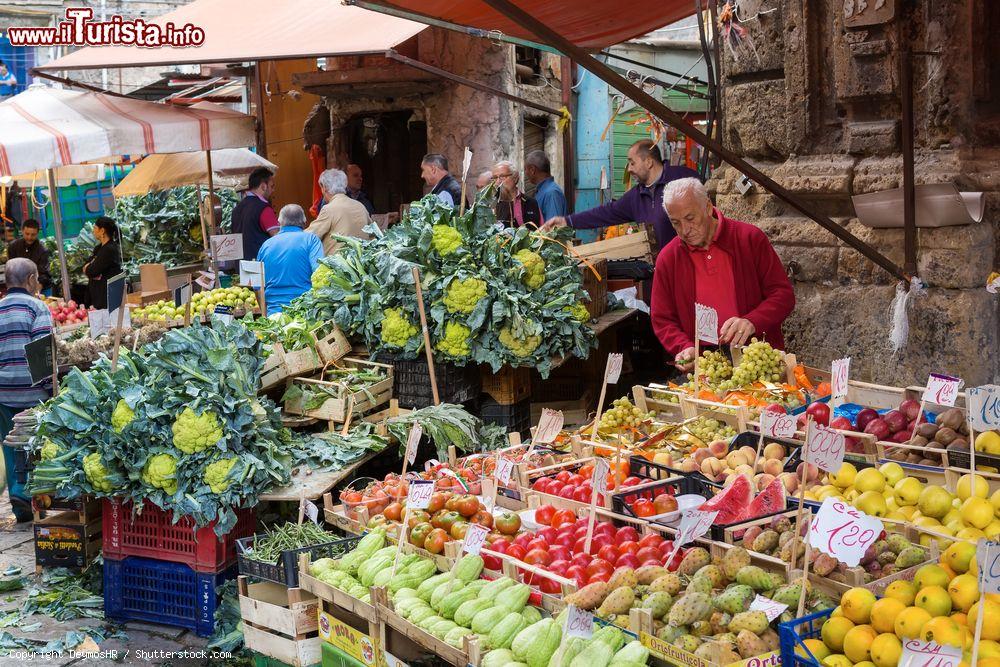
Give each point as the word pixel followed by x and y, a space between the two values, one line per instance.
pixel 578 485
pixel 378 495
pixel 560 547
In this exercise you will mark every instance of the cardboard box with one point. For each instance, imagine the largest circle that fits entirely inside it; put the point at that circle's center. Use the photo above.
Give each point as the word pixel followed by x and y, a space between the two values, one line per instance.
pixel 154 285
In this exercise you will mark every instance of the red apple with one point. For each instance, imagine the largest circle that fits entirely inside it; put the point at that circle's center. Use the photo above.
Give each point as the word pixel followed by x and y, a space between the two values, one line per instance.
pixel 842 423
pixel 900 436
pixel 820 412
pixel 895 420
pixel 878 428
pixel 910 408
pixel 864 417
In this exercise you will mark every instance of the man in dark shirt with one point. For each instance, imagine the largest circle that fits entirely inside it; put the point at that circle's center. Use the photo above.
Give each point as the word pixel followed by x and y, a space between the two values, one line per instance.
pixel 514 208
pixel 355 180
pixel 29 247
pixel 253 216
pixel 643 203
pixel 434 171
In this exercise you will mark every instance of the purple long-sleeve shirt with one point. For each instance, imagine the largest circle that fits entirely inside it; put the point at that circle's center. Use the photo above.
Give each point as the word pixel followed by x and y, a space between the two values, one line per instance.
pixel 640 204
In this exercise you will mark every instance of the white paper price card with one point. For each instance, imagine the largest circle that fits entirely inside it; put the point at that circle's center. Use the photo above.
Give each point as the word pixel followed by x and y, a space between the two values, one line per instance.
pixel 418 496
pixel 99 321
pixel 579 622
pixel 227 247
pixel 600 478
pixel 984 407
pixel 988 560
pixel 310 510
pixel 505 467
pixel 777 424
pixel 918 653
pixel 843 532
pixel 825 448
pixel 475 537
pixel 550 424
pixel 251 273
pixel 839 373
pixel 770 608
pixel 413 441
pixel 706 323
pixel 614 370
pixel 942 389
pixel 694 524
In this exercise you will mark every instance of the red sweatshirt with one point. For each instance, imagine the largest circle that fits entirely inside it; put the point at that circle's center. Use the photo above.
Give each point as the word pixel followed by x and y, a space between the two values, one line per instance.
pixel 764 294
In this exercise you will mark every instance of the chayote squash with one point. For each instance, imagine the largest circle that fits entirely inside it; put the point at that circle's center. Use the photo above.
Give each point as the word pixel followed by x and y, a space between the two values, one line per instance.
pixel 446 588
pixel 468 568
pixel 476 585
pixel 498 658
pixel 493 588
pixel 531 615
pixel 610 635
pixel 442 628
pixel 382 578
pixel 513 598
pixel 485 620
pixel 468 610
pixel 419 614
pixel 451 602
pixel 426 589
pixel 430 622
pixel 456 635
pixel 504 632
pixel 404 593
pixel 634 651
pixel 595 654
pixel 536 643
pixel 371 567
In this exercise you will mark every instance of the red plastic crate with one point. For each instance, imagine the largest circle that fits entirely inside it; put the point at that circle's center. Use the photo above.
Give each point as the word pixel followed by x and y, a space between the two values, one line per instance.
pixel 153 534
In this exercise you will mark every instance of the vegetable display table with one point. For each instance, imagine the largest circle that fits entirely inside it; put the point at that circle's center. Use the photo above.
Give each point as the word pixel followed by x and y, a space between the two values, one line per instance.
pixel 312 484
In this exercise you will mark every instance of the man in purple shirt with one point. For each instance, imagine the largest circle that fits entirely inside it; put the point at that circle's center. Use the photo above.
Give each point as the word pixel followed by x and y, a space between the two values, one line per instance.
pixel 643 203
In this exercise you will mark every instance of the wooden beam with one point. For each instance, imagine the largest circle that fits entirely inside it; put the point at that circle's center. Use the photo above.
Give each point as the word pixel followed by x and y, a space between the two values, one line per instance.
pixel 360 75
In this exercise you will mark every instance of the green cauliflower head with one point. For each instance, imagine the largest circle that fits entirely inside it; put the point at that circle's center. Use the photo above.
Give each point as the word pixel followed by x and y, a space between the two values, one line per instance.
pixel 122 416
pixel 578 311
pixel 445 240
pixel 397 330
pixel 217 474
pixel 520 347
pixel 160 472
pixel 321 276
pixel 97 474
pixel 463 295
pixel 456 340
pixel 194 432
pixel 534 268
pixel 50 450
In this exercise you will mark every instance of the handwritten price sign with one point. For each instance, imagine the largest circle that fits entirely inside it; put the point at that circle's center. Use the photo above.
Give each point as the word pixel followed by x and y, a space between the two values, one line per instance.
pixel 228 247
pixel 928 654
pixel 777 425
pixel 600 477
pixel 504 467
pixel 988 560
pixel 550 424
pixel 706 323
pixel 694 524
pixel 418 496
pixel 475 537
pixel 579 622
pixel 825 448
pixel 984 407
pixel 942 389
pixel 838 377
pixel 770 608
pixel 614 370
pixel 413 441
pixel 843 532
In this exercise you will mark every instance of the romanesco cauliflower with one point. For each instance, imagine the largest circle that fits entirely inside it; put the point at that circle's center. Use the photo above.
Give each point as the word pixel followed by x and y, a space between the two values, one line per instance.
pixel 445 239
pixel 397 330
pixel 521 347
pixel 217 473
pixel 455 342
pixel 463 295
pixel 160 472
pixel 578 311
pixel 122 416
pixel 534 267
pixel 194 432
pixel 321 276
pixel 50 450
pixel 97 474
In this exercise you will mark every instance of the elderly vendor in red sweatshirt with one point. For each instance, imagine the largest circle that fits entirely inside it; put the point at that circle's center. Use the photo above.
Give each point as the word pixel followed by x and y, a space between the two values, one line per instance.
pixel 719 262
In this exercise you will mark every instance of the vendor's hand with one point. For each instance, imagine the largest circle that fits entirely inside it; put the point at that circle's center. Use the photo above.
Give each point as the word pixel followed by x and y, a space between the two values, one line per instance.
pixel 552 223
pixel 736 331
pixel 684 361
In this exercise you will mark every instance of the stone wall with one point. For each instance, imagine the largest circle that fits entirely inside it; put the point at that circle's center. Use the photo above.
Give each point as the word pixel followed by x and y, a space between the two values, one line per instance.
pixel 818 109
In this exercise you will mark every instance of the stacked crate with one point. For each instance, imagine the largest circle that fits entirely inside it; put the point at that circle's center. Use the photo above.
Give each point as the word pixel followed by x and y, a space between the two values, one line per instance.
pixel 506 398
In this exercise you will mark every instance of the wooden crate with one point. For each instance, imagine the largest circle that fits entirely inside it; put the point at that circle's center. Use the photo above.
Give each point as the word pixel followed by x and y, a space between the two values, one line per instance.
pixel 641 625
pixel 735 416
pixel 469 654
pixel 63 540
pixel 280 622
pixel 325 591
pixel 595 282
pixel 338 408
pixel 647 399
pixel 508 385
pixel 333 346
pixel 641 245
pixel 281 365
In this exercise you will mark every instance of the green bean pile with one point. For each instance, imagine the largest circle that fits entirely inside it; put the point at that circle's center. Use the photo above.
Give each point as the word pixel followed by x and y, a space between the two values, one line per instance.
pixel 267 548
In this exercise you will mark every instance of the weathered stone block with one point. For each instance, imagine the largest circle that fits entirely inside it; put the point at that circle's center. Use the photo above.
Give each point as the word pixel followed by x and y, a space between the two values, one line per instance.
pixel 816 175
pixel 855 267
pixel 754 207
pixel 755 124
pixel 966 238
pixel 943 267
pixel 808 264
pixel 768 46
pixel 873 138
pixel 796 232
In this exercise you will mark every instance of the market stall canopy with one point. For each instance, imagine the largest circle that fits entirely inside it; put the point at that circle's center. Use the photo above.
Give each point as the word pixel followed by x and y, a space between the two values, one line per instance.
pixel 230 168
pixel 48 127
pixel 81 174
pixel 248 30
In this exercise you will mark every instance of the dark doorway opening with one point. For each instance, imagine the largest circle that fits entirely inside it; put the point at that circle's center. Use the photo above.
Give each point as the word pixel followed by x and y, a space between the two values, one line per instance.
pixel 388 148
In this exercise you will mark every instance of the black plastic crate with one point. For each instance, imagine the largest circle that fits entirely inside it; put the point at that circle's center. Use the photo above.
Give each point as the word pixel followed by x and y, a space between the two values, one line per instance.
pixel 23 464
pixel 515 417
pixel 286 570
pixel 412 381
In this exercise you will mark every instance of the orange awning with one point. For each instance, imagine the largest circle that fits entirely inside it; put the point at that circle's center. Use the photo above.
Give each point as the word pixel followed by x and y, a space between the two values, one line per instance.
pixel 250 30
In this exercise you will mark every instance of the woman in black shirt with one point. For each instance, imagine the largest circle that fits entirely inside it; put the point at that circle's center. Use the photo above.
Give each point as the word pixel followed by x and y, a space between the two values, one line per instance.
pixel 104 263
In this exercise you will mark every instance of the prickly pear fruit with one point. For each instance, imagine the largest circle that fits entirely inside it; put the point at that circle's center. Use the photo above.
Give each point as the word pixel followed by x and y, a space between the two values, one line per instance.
pixel 688 643
pixel 669 633
pixel 717 652
pixel 756 578
pixel 647 574
pixel 590 596
pixel 785 553
pixel 658 603
pixel 771 640
pixel 690 608
pixel 735 558
pixel 713 573
pixel 701 629
pixel 788 594
pixel 910 556
pixel 623 576
pixel 750 534
pixel 668 583
pixel 895 543
pixel 720 622
pixel 735 599
pixel 780 524
pixel 754 621
pixel 694 560
pixel 824 564
pixel 766 542
pixel 619 601
pixel 700 585
pixel 748 644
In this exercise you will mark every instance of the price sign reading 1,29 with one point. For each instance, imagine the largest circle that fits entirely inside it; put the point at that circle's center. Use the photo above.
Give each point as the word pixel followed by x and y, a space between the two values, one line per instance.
pixel 843 532
pixel 825 448
pixel 418 496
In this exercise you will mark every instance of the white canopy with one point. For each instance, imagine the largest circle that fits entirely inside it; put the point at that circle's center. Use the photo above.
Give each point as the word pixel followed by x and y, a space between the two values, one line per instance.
pixel 230 169
pixel 49 127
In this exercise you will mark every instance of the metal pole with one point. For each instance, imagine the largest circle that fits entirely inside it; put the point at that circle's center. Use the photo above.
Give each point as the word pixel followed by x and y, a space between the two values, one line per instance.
pixel 654 106
pixel 909 188
pixel 683 77
pixel 213 230
pixel 567 67
pixel 50 175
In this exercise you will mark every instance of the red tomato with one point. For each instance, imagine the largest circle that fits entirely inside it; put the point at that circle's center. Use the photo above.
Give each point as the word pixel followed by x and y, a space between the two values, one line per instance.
pixel 523 539
pixel 598 565
pixel 537 557
pixel 581 560
pixel 602 575
pixel 626 534
pixel 652 561
pixel 537 543
pixel 559 552
pixel 566 540
pixel 559 566
pixel 581 494
pixel 581 521
pixel 628 547
pixel 543 515
pixel 563 476
pixel 575 480
pixel 548 534
pixel 651 540
pixel 508 523
pixel 518 552
pixel 580 531
pixel 599 541
pixel 435 541
pixel 541 485
pixel 627 560
pixel 647 553
pixel 579 544
pixel 643 508
pixel 491 562
pixel 549 586
pixel 575 572
pixel 675 562
pixel 563 517
pixel 500 546
pixel 631 481
pixel 567 492
pixel 608 553
pixel 604 528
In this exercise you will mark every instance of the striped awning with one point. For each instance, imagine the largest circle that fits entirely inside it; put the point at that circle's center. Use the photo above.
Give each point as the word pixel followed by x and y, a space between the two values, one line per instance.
pixel 49 127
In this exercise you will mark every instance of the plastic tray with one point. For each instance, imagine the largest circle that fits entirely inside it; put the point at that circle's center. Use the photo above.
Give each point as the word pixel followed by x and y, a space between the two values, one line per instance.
pixel 286 570
pixel 792 633
pixel 412 382
pixel 144 589
pixel 515 417
pixel 153 534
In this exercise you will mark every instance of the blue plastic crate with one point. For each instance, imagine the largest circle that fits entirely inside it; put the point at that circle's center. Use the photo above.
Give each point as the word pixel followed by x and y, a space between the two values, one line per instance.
pixel 156 591
pixel 792 633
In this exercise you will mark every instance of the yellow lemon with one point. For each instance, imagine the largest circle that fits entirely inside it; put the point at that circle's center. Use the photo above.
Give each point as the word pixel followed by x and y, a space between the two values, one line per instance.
pixel 950 572
pixel 977 512
pixel 970 533
pixel 837 611
pixel 907 491
pixel 991 630
pixel 989 442
pixel 930 575
pixel 857 605
pixel 858 642
pixel 886 650
pixel 995 501
pixel 965 487
pixel 844 477
pixel 934 501
pixel 837 660
pixel 884 612
pixel 833 632
pixel 869 479
pixel 901 590
pixel 815 646
pixel 958 556
pixel 910 621
pixel 964 591
pixel 908 511
pixel 892 472
pixel 960 618
pixel 935 600
pixel 943 630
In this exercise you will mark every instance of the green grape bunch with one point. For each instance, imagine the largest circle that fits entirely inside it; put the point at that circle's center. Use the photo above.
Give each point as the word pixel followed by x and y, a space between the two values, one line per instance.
pixel 760 363
pixel 622 414
pixel 707 429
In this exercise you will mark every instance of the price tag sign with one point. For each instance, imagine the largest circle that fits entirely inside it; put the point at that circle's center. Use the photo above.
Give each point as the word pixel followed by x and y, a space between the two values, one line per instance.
pixel 413 441
pixel 694 524
pixel 825 448
pixel 39 356
pixel 987 557
pixel 838 377
pixel 777 425
pixel 251 273
pixel 418 496
pixel 115 291
pixel 310 510
pixel 99 322
pixel 475 537
pixel 600 477
pixel 614 370
pixel 770 608
pixel 843 532
pixel 126 319
pixel 984 407
pixel 227 247
pixel 550 424
pixel 942 389
pixel 182 294
pixel 505 467
pixel 917 653
pixel 579 622
pixel 224 314
pixel 706 323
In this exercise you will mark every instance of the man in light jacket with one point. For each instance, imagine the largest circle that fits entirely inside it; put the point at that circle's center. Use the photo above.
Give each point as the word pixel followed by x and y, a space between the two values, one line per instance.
pixel 341 215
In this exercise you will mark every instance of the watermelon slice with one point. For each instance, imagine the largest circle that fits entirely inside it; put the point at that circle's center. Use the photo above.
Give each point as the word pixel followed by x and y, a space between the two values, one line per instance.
pixel 731 503
pixel 768 501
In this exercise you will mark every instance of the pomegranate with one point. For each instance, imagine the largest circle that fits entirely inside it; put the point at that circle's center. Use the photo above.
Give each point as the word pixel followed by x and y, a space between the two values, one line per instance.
pixel 895 420
pixel 864 417
pixel 878 428
pixel 910 408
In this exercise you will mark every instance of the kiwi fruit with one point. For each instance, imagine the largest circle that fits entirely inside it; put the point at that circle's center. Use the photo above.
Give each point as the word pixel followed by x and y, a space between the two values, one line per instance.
pixel 918 441
pixel 963 429
pixel 927 430
pixel 958 445
pixel 934 444
pixel 897 454
pixel 913 458
pixel 951 418
pixel 945 435
pixel 928 462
